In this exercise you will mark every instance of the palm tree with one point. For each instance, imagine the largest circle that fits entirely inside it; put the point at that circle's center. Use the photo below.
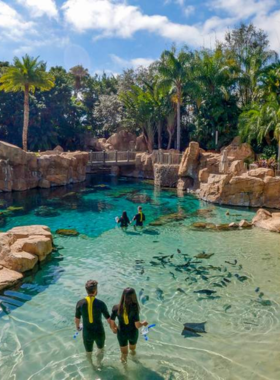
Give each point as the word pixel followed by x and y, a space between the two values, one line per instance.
pixel 27 76
pixel 78 72
pixel 173 71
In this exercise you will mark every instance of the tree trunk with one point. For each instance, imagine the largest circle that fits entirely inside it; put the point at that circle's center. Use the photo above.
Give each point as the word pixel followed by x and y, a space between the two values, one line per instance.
pixel 278 158
pixel 179 122
pixel 25 118
pixel 159 134
pixel 169 139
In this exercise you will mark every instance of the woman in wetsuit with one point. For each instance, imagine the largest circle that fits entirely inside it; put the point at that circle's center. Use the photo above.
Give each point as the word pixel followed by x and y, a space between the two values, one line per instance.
pixel 127 312
pixel 123 220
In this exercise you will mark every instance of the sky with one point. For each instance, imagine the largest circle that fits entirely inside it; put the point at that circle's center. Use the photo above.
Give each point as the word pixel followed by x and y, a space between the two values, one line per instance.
pixel 112 35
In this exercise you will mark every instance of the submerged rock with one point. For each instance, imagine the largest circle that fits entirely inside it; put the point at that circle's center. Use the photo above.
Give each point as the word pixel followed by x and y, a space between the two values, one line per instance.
pixel 46 211
pixel 170 218
pixel 15 209
pixel 245 224
pixel 267 220
pixel 67 232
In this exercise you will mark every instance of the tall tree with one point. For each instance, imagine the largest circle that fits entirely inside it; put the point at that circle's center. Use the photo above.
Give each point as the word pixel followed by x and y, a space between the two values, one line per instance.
pixel 27 76
pixel 174 76
pixel 79 73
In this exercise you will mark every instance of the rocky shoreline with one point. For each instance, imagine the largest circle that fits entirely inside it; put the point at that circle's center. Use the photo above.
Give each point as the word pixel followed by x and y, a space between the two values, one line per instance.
pixel 21 249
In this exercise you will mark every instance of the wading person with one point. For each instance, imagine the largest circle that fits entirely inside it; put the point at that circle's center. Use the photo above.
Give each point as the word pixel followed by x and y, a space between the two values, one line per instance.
pixel 91 310
pixel 123 220
pixel 139 218
pixel 127 312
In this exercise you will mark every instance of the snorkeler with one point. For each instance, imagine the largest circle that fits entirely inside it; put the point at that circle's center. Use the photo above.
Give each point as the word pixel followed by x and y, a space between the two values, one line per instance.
pixel 123 220
pixel 127 312
pixel 139 218
pixel 91 310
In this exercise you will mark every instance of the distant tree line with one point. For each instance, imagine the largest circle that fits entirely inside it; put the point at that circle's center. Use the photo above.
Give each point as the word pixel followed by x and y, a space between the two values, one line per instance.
pixel 207 95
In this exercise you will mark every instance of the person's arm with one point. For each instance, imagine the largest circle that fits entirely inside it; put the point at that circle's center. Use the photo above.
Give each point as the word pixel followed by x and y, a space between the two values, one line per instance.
pixel 78 315
pixel 139 324
pixel 106 314
pixel 113 325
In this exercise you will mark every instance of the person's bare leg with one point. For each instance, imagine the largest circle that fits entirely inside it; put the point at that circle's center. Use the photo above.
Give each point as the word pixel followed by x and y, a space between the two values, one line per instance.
pixel 124 353
pixel 100 356
pixel 89 357
pixel 132 349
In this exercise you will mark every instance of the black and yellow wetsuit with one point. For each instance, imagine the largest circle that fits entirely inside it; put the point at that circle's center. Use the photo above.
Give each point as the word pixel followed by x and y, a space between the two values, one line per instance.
pixel 127 332
pixel 139 218
pixel 91 310
pixel 123 221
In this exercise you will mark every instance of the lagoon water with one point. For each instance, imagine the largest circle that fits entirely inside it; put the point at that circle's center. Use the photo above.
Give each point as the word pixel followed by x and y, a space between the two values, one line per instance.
pixel 241 319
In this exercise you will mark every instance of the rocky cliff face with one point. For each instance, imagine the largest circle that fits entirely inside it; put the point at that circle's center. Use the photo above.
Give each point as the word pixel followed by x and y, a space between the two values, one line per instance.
pixel 20 250
pixel 21 170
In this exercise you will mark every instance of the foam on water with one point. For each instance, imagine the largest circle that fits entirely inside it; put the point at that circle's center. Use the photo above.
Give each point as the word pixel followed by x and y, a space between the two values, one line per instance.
pixel 242 332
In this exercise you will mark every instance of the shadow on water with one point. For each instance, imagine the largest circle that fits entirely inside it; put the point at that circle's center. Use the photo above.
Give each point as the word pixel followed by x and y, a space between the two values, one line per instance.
pixel 31 285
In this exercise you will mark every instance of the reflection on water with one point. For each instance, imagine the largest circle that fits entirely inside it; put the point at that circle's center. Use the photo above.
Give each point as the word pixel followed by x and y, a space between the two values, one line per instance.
pixel 224 283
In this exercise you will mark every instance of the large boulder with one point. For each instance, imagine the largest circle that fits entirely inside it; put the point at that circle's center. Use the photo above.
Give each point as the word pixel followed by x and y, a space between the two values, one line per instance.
pixel 122 141
pixel 12 153
pixel 141 144
pixel 261 173
pixel 266 220
pixel 238 151
pixel 22 247
pixel 8 278
pixel 190 161
pixel 166 175
pixel 272 192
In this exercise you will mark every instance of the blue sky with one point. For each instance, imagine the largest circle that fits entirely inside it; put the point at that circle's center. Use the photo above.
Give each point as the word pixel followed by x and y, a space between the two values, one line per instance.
pixel 110 35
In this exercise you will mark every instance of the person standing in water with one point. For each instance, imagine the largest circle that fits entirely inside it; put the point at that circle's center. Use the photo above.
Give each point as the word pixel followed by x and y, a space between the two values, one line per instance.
pixel 91 310
pixel 139 218
pixel 123 220
pixel 127 312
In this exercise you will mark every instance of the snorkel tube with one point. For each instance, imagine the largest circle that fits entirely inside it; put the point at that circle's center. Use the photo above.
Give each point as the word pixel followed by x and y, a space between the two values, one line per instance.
pixel 145 331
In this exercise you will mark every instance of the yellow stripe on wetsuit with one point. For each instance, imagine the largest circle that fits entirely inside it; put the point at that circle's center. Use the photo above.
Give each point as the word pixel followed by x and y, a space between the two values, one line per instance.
pixel 141 216
pixel 90 301
pixel 125 316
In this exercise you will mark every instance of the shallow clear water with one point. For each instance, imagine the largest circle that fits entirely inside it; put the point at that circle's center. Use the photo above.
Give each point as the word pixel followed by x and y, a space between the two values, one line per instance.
pixel 242 329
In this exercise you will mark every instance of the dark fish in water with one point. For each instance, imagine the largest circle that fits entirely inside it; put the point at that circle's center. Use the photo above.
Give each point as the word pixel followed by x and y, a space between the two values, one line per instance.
pixel 226 280
pixel 227 307
pixel 173 275
pixel 205 291
pixel 159 294
pixel 180 290
pixel 223 283
pixel 193 330
pixel 264 302
pixel 240 267
pixel 160 257
pixel 178 270
pixel 214 268
pixel 234 263
pixel 225 269
pixel 241 278
pixel 178 250
pixel 171 257
pixel 148 278
pixel 155 241
pixel 142 271
pixel 229 275
pixel 183 265
pixel 196 262
pixel 139 261
pixel 257 290
pixel 217 285
pixel 144 299
pixel 193 279
pixel 204 255
pixel 154 263
pixel 204 278
pixel 261 295
pixel 187 279
pixel 141 293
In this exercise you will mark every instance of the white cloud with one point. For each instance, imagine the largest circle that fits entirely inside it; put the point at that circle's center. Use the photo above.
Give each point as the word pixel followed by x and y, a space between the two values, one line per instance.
pixel 39 8
pixel 271 24
pixel 243 9
pixel 189 10
pixel 133 63
pixel 12 25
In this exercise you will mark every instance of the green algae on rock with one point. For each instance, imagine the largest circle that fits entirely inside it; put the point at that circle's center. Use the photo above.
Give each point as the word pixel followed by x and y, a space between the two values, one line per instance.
pixel 67 232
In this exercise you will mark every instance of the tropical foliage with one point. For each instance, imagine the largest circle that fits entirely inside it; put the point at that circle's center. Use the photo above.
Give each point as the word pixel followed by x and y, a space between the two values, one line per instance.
pixel 209 95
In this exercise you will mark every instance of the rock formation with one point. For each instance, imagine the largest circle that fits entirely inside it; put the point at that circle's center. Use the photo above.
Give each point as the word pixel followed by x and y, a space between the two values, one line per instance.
pixel 21 170
pixel 21 249
pixel 267 220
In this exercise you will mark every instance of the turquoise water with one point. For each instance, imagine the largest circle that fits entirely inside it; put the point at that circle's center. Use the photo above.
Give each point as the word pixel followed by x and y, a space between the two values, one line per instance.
pixel 242 325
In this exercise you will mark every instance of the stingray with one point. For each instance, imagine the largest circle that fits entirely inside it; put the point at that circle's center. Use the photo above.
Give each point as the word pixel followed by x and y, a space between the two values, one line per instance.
pixel 205 291
pixel 204 255
pixel 193 330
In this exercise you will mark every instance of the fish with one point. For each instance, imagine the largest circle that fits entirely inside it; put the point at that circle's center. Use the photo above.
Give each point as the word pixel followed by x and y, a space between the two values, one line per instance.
pixel 205 291
pixel 241 278
pixel 144 299
pixel 226 280
pixel 204 255
pixel 178 250
pixel 204 278
pixel 193 279
pixel 234 263
pixel 141 293
pixel 159 294
pixel 173 275
pixel 171 257
pixel 261 295
pixel 142 271
pixel 154 263
pixel 257 290
pixel 264 302
pixel 214 268
pixel 223 283
pixel 217 285
pixel 178 270
pixel 180 290
pixel 227 307
pixel 161 258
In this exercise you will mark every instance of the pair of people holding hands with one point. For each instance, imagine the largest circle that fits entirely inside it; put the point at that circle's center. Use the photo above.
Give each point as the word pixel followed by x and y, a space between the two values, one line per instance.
pixel 139 219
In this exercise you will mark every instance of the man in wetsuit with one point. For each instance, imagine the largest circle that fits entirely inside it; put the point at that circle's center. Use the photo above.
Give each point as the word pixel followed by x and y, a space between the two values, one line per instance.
pixel 91 310
pixel 139 218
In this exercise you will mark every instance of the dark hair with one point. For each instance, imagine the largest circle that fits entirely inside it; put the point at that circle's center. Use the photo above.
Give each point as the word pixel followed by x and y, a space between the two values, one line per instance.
pixel 129 300
pixel 91 286
pixel 125 217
